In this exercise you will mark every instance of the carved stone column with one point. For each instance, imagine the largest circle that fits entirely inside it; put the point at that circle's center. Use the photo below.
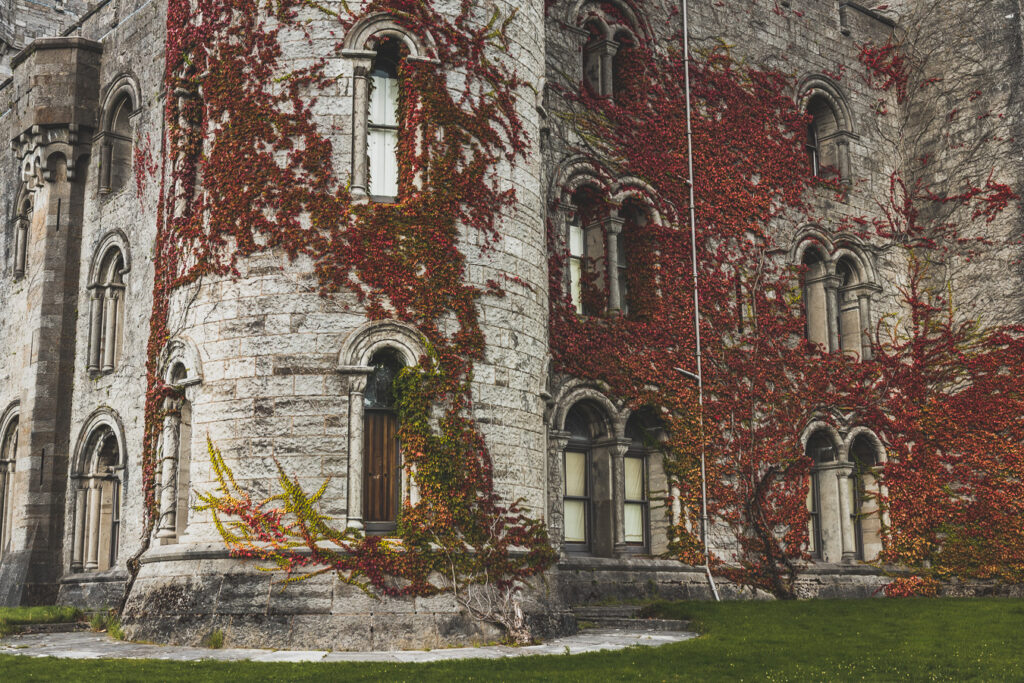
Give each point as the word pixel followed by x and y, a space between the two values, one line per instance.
pixel 169 477
pixel 362 63
pixel 832 284
pixel 619 492
pixel 357 376
pixel 95 327
pixel 843 473
pixel 78 549
pixel 110 327
pixel 92 531
pixel 557 441
pixel 613 230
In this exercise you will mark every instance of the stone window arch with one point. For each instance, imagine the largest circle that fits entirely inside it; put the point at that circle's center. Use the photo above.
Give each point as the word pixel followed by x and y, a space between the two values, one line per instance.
pixel 97 477
pixel 378 45
pixel 838 282
pixel 181 371
pixel 116 136
pixel 371 358
pixel 8 462
pixel 601 226
pixel 106 304
pixel 829 128
pixel 814 284
pixel 610 33
pixel 22 222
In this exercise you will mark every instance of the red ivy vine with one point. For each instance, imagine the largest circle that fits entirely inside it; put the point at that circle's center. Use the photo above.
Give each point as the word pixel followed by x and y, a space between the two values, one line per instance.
pixel 249 169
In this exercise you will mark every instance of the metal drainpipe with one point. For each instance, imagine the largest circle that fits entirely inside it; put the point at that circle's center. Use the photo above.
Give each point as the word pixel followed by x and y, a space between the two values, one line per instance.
pixel 696 309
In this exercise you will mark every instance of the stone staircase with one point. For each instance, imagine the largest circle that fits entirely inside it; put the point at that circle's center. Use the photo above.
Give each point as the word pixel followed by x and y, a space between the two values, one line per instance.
pixel 624 617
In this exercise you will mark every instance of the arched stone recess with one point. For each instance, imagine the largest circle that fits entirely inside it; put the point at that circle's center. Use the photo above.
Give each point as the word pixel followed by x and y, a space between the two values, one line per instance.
pixel 180 367
pixel 867 456
pixel 358 362
pixel 9 432
pixel 832 130
pixel 180 352
pixel 594 236
pixel 24 209
pixel 609 14
pixel 588 449
pixel 362 45
pixel 99 477
pixel 121 104
pixel 111 261
pixel 840 283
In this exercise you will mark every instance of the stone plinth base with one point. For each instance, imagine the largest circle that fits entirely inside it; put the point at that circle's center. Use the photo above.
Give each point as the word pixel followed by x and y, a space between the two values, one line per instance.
pixel 93 590
pixel 183 593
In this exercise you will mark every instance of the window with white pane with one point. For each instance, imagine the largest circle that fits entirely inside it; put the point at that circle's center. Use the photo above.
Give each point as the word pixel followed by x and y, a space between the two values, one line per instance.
pixel 635 503
pixel 576 254
pixel 577 482
pixel 821 451
pixel 382 122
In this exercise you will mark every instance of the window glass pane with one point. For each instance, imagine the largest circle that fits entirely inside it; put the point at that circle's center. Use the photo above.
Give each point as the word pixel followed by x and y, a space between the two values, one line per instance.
pixel 576 283
pixel 383 162
pixel 812 534
pixel 810 495
pixel 575 473
pixel 383 102
pixel 634 522
pixel 575 240
pixel 634 478
pixel 575 521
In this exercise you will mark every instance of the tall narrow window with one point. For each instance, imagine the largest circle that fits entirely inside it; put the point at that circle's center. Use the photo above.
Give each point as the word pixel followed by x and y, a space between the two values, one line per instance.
pixel 382 467
pixel 8 456
pixel 815 302
pixel 97 503
pixel 848 322
pixel 21 233
pixel 863 483
pixel 106 313
pixel 821 138
pixel 621 270
pixel 820 450
pixel 576 253
pixel 576 484
pixel 116 150
pixel 382 122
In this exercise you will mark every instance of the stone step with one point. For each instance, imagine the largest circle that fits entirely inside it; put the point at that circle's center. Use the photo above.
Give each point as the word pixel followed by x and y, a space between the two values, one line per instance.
pixel 591 612
pixel 68 627
pixel 624 617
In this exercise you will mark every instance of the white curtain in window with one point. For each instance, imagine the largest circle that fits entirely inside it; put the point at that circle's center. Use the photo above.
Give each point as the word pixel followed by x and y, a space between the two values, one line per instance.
pixel 634 508
pixel 382 144
pixel 576 265
pixel 575 486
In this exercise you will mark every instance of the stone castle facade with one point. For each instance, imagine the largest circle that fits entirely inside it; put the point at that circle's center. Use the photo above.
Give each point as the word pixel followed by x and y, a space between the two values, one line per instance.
pixel 270 368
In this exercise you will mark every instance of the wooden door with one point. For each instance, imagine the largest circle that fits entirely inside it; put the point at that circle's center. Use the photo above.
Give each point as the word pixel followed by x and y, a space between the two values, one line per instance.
pixel 381 474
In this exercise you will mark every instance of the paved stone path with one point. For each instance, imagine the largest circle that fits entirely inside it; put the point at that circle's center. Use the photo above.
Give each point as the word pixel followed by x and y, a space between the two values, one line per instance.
pixel 88 645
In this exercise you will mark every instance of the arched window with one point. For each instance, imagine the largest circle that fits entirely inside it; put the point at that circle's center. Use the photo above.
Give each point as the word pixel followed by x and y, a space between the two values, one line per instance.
pixel 821 132
pixel 97 502
pixel 864 510
pixel 586 240
pixel 382 121
pixel 382 463
pixel 106 312
pixel 21 232
pixel 605 54
pixel 116 150
pixel 173 484
pixel 820 497
pixel 815 300
pixel 8 457
pixel 848 322
pixel 636 511
pixel 577 484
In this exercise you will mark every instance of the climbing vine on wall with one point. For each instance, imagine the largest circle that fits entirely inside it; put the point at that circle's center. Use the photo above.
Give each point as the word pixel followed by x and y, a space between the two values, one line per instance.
pixel 763 382
pixel 249 169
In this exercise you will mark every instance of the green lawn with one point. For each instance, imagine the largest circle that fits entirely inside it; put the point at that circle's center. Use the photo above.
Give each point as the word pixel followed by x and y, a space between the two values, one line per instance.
pixel 818 640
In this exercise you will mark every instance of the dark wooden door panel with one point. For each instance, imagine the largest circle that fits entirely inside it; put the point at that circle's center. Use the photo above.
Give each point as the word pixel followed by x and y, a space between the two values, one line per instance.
pixel 380 467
